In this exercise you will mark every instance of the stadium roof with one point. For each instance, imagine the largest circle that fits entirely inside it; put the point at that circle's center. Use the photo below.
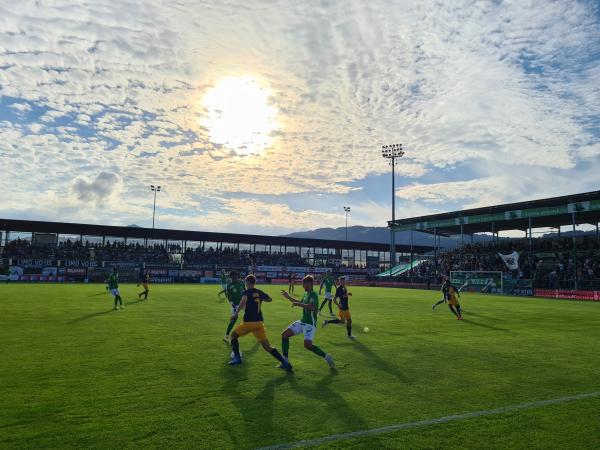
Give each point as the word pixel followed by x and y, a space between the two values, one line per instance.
pixel 545 213
pixel 31 226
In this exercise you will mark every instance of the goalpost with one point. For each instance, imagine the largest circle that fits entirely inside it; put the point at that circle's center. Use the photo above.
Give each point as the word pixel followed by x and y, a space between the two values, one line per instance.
pixel 478 281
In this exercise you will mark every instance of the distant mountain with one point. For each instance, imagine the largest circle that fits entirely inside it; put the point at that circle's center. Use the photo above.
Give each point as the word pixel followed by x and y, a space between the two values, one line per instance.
pixel 134 226
pixel 381 235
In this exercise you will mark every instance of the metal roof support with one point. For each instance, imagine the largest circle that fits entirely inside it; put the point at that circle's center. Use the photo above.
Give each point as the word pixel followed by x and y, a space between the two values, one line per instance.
pixel 462 235
pixel 411 255
pixel 574 254
pixel 435 244
pixel 530 244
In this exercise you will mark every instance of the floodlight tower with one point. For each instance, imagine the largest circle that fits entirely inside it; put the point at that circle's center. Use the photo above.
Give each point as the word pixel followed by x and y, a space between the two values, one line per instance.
pixel 154 189
pixel 392 153
pixel 347 211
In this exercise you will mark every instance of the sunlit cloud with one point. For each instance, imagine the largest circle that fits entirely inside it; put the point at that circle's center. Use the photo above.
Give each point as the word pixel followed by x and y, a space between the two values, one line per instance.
pixel 229 101
pixel 239 116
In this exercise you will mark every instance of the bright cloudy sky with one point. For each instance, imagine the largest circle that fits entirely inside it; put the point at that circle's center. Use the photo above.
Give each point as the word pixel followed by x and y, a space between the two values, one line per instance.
pixel 268 116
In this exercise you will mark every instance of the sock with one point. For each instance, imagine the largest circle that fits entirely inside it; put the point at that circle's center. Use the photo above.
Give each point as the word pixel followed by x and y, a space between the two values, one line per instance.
pixel 439 303
pixel 230 327
pixel 459 310
pixel 317 351
pixel 323 304
pixel 349 328
pixel 116 302
pixel 146 295
pixel 235 345
pixel 118 299
pixel 333 321
pixel 285 346
pixel 452 309
pixel 330 311
pixel 277 355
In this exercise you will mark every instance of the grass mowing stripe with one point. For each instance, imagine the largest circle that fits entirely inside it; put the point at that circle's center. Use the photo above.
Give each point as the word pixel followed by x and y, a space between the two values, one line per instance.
pixel 427 422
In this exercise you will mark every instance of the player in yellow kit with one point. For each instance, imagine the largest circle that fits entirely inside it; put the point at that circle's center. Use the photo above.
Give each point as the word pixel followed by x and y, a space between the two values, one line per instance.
pixel 453 304
pixel 253 322
pixel 144 282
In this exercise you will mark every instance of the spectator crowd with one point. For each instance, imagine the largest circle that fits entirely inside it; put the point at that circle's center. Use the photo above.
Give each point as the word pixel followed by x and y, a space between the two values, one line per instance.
pixel 550 263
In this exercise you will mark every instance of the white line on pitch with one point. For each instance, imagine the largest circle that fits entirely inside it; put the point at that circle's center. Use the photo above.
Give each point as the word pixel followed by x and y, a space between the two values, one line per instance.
pixel 421 423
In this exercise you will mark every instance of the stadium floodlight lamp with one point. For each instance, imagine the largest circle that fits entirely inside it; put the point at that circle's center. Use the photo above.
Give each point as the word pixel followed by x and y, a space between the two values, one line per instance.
pixel 392 153
pixel 347 211
pixel 154 189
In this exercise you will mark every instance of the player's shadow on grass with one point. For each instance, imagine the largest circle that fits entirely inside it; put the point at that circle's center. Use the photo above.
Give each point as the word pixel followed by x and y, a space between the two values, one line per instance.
pixel 257 413
pixel 378 362
pixel 483 325
pixel 91 316
pixel 98 295
pixel 469 313
pixel 135 301
pixel 336 405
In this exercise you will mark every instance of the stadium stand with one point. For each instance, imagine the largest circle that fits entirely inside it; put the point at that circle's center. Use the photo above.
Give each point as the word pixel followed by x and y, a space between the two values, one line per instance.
pixel 51 251
pixel 554 261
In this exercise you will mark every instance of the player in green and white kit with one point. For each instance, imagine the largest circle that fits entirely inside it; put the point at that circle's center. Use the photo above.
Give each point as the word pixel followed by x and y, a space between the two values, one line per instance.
pixel 224 283
pixel 307 325
pixel 329 283
pixel 234 290
pixel 113 286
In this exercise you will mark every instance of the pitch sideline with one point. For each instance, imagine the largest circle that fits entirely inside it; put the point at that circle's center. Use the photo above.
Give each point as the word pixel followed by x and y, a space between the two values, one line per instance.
pixel 421 423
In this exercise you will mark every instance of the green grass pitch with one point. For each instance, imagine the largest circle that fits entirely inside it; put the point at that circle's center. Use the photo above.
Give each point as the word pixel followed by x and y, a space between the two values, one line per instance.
pixel 75 374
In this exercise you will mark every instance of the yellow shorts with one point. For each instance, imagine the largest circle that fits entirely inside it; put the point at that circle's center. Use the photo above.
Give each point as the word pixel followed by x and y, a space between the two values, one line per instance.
pixel 145 286
pixel 344 314
pixel 453 301
pixel 256 328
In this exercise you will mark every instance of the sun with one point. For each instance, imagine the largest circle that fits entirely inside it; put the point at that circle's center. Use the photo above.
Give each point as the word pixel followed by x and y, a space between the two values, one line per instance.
pixel 239 116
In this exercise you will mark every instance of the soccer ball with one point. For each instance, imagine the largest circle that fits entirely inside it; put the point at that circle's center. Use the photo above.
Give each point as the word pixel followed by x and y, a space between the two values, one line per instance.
pixel 366 329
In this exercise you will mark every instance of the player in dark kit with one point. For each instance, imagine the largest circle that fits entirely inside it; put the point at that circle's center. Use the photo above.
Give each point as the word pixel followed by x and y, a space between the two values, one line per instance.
pixel 253 322
pixel 291 282
pixel 453 304
pixel 342 294
pixel 144 282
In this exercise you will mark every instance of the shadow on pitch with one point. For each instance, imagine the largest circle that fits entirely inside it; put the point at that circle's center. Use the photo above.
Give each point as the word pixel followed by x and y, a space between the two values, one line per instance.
pixel 101 293
pixel 91 316
pixel 257 412
pixel 135 301
pixel 376 361
pixel 336 406
pixel 483 316
pixel 483 325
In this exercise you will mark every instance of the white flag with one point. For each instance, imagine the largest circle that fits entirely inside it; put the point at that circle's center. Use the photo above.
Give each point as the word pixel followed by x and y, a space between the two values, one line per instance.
pixel 511 261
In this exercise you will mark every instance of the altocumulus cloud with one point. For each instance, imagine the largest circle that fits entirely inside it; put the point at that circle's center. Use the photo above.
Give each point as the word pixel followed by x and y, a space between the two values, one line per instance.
pixel 97 190
pixel 503 91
